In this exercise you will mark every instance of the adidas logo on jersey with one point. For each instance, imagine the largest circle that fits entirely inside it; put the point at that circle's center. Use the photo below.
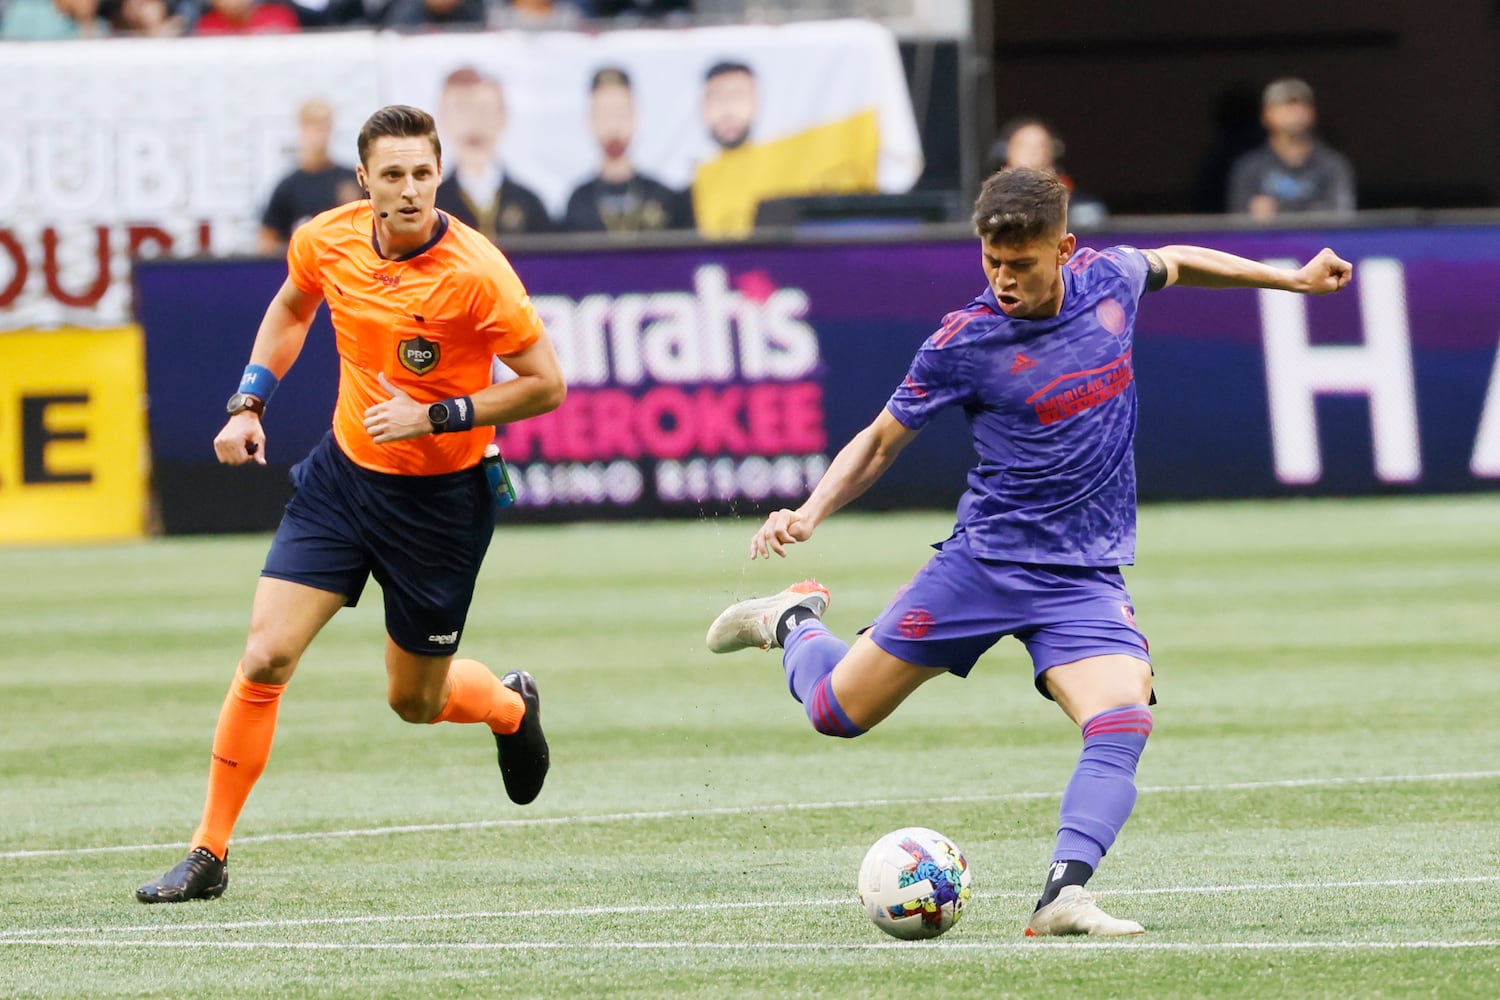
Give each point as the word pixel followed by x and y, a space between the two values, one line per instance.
pixel 1021 364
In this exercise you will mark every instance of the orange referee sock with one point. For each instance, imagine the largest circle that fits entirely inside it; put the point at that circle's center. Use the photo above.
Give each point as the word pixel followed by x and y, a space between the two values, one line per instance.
pixel 476 695
pixel 242 745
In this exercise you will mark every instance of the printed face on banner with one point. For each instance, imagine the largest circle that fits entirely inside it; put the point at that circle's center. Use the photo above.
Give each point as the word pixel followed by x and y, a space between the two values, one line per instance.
pixel 139 155
pixel 729 107
pixel 471 115
pixel 612 118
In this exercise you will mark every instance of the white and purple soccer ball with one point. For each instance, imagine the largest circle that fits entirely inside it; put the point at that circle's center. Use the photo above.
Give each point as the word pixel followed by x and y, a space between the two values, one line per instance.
pixel 914 883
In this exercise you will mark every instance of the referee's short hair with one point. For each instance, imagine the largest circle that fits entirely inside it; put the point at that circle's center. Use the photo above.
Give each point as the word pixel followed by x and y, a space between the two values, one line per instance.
pixel 400 121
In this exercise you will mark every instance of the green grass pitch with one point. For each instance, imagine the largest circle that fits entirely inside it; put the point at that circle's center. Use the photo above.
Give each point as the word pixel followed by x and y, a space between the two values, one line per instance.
pixel 1319 812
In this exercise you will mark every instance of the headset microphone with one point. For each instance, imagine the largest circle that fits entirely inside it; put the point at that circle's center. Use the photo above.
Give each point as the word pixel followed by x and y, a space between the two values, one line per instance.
pixel 383 215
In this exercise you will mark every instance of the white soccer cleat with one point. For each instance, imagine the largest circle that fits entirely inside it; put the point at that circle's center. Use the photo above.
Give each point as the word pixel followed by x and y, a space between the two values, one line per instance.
pixel 753 622
pixel 1076 911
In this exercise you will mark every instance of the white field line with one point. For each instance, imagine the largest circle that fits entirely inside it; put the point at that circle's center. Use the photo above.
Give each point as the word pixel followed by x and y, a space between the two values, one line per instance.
pixel 773 807
pixel 1022 947
pixel 7 937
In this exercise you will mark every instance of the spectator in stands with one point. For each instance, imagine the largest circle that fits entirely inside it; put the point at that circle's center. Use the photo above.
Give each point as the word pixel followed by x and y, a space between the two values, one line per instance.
pixel 1030 142
pixel 317 184
pixel 478 191
pixel 147 19
pixel 639 9
pixel 247 17
pixel 51 20
pixel 1294 171
pixel 435 14
pixel 354 13
pixel 621 199
pixel 535 14
pixel 314 13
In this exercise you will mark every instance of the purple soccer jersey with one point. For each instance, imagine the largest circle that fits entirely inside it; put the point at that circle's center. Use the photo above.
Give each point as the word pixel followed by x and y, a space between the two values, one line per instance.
pixel 1051 405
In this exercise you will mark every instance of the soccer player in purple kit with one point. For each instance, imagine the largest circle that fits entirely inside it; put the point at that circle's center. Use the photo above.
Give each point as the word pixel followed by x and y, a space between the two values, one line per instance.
pixel 1041 365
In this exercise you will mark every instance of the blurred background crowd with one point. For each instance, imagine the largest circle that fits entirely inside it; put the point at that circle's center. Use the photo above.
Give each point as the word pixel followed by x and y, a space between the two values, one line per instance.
pixel 43 20
pixel 1335 110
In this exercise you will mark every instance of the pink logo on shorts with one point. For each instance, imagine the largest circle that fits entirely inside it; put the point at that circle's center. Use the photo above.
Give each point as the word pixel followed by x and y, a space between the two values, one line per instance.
pixel 1111 316
pixel 1129 614
pixel 916 623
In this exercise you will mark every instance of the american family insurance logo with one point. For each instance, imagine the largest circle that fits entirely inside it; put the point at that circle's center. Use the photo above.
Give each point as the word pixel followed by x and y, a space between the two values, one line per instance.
pixel 1071 394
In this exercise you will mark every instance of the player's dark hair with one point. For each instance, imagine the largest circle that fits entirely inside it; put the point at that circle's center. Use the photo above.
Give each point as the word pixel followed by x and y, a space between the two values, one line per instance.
pixel 610 76
pixel 725 67
pixel 398 121
pixel 1019 205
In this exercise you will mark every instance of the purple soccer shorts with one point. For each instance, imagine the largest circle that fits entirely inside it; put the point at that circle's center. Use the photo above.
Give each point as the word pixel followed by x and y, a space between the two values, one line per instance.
pixel 957 606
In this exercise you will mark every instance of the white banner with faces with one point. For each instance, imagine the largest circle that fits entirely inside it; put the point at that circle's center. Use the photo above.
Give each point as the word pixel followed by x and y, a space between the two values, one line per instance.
pixel 117 149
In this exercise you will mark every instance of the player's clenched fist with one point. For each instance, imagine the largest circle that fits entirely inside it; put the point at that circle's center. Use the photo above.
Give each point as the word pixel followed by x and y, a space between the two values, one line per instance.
pixel 784 527
pixel 241 440
pixel 1327 272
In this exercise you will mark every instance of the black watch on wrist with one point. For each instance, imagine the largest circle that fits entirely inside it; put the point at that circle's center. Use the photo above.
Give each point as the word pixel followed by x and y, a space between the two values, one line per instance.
pixel 242 401
pixel 438 414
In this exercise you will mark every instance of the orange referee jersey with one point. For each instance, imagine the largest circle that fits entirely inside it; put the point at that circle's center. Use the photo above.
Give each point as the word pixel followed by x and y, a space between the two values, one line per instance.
pixel 431 321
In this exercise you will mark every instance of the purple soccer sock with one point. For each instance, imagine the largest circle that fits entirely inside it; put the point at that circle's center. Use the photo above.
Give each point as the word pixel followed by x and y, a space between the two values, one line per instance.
pixel 1101 793
pixel 811 653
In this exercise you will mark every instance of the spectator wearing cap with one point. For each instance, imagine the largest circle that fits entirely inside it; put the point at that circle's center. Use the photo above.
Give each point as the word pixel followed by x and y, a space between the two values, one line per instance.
pixel 1294 171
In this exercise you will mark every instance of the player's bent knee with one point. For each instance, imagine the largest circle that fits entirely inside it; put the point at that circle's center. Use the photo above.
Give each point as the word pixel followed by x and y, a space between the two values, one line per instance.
pixel 832 728
pixel 1086 687
pixel 836 730
pixel 415 708
pixel 827 715
pixel 267 663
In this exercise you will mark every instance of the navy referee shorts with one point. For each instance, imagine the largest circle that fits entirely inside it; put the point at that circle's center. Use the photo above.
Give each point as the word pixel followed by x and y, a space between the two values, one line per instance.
pixel 423 538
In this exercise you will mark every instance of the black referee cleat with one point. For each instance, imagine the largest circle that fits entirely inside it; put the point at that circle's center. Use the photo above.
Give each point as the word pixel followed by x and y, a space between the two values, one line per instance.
pixel 200 875
pixel 523 753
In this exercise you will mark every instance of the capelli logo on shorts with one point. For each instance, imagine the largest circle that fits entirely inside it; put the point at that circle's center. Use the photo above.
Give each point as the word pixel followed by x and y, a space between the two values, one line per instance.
pixel 419 355
pixel 446 639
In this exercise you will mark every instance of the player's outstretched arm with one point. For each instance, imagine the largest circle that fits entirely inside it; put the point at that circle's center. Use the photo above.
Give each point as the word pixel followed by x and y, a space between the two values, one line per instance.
pixel 853 470
pixel 1201 267
pixel 278 342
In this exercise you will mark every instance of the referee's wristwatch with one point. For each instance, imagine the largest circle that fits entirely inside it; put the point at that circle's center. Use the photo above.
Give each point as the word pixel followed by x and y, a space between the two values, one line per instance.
pixel 242 401
pixel 438 415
